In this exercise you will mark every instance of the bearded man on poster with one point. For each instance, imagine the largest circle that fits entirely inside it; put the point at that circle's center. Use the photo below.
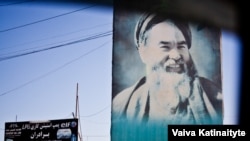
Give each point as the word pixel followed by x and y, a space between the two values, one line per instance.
pixel 172 92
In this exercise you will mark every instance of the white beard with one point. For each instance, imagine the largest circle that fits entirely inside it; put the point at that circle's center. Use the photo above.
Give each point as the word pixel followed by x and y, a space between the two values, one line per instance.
pixel 167 90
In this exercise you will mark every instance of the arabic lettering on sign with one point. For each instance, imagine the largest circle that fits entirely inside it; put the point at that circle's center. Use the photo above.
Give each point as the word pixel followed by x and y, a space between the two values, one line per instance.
pixel 35 126
pixel 49 130
pixel 39 135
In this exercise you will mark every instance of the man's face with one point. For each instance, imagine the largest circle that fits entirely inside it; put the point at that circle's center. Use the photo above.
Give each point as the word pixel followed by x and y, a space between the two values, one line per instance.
pixel 166 54
pixel 166 48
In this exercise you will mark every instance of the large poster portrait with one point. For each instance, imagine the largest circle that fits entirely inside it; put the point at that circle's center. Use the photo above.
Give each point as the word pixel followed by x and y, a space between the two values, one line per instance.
pixel 165 71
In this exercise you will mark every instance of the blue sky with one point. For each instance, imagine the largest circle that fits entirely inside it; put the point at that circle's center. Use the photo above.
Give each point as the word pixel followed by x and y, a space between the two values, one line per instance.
pixel 42 86
pixel 78 44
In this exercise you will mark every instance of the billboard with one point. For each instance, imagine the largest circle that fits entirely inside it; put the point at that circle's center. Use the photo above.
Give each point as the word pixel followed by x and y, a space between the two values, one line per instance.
pixel 56 130
pixel 164 71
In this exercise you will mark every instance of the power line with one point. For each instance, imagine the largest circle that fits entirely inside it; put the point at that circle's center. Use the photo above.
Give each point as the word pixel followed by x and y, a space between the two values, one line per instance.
pixel 3 55
pixel 96 122
pixel 52 71
pixel 97 112
pixel 108 33
pixel 53 37
pixel 31 49
pixel 20 2
pixel 46 19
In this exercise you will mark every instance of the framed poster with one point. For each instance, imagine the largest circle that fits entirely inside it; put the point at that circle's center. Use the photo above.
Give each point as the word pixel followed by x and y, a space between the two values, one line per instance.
pixel 165 71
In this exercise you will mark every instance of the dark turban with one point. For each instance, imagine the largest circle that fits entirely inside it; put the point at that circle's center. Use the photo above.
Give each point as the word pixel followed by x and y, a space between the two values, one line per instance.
pixel 148 20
